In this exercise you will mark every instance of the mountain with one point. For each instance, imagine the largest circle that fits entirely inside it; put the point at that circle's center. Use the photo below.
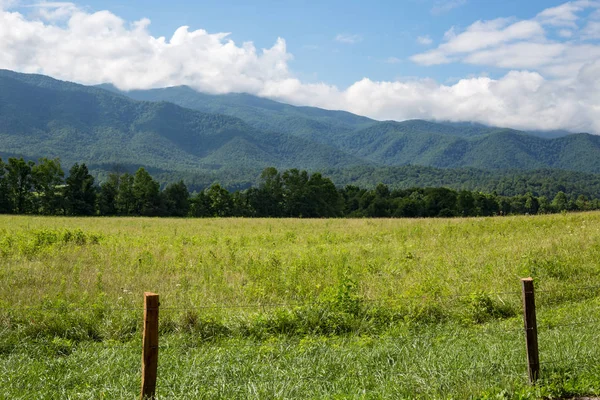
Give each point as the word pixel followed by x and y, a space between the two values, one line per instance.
pixel 180 133
pixel 389 143
pixel 263 114
pixel 40 116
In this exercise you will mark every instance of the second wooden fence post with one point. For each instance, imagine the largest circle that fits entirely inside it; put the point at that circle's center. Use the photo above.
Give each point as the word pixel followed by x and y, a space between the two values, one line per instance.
pixel 150 346
pixel 531 336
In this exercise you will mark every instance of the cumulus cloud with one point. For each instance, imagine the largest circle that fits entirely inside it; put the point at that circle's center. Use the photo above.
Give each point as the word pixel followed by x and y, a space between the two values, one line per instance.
pixel 99 47
pixel 512 44
pixel 53 11
pixel 520 99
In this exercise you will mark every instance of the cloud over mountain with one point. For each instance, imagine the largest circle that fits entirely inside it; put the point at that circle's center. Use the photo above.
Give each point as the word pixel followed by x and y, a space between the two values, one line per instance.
pixel 548 83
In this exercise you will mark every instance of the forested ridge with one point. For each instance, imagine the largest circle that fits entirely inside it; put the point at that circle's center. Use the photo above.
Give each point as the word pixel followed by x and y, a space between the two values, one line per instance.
pixel 41 188
pixel 232 138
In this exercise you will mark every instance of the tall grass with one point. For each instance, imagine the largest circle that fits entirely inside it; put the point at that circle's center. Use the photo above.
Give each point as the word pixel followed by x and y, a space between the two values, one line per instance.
pixel 360 308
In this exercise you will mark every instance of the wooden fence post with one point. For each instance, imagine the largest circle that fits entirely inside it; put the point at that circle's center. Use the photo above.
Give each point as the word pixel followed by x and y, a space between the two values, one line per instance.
pixel 150 346
pixel 531 336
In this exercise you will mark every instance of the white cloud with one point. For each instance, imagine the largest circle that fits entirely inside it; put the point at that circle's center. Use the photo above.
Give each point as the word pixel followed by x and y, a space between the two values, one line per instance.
pixel 348 38
pixel 512 44
pixel 444 6
pixel 484 34
pixel 591 30
pixel 564 14
pixel 424 40
pixel 565 33
pixel 450 34
pixel 518 55
pixel 53 11
pixel 433 57
pixel 393 60
pixel 92 48
pixel 100 47
pixel 6 4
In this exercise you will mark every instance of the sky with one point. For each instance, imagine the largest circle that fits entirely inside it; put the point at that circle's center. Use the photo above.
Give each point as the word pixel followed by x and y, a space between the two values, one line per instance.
pixel 531 65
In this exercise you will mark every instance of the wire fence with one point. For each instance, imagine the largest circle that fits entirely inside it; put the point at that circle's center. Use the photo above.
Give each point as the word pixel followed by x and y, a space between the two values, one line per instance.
pixel 499 332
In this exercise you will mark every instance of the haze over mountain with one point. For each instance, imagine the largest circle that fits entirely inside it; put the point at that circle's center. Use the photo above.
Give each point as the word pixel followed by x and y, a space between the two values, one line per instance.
pixel 237 135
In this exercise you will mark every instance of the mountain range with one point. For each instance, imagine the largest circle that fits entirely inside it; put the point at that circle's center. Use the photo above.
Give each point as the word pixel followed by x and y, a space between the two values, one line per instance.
pixel 178 131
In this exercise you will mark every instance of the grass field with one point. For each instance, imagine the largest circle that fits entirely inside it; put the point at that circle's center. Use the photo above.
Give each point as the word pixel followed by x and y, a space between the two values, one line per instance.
pixel 298 308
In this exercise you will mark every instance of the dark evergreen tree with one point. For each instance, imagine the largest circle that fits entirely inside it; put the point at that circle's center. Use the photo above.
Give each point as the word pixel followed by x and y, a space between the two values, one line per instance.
pixel 200 205
pixel 125 201
pixel 380 205
pixel 4 190
pixel 80 192
pixel 107 196
pixel 267 200
pixel 20 184
pixel 176 197
pixel 465 204
pixel 324 199
pixel 48 182
pixel 295 193
pixel 146 192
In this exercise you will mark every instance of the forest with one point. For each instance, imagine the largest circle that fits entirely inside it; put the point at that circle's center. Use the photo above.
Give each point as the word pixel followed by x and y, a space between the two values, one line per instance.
pixel 41 188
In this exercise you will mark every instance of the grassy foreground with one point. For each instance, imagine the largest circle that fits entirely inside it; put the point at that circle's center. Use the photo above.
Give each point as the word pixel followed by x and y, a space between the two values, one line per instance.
pixel 298 308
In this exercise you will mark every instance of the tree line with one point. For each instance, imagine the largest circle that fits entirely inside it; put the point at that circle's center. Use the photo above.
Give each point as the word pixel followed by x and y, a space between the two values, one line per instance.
pixel 41 188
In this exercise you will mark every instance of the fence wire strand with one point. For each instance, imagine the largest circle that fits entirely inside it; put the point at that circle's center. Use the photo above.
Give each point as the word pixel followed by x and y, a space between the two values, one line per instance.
pixel 499 367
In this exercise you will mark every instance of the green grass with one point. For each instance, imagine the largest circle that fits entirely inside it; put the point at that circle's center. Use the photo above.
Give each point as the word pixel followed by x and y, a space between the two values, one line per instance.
pixel 298 308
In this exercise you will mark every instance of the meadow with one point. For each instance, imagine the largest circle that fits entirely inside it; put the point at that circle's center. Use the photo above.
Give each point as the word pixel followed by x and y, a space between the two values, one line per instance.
pixel 290 308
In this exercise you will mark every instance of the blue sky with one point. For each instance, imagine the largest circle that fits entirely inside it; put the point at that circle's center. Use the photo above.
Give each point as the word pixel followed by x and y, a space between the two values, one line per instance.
pixel 521 64
pixel 386 32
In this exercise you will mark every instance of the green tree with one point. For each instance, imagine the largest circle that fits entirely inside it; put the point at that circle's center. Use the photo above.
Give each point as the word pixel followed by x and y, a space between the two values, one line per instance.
pixel 200 205
pixel 219 200
pixel 125 200
pixel 545 206
pixel 147 194
pixel 4 190
pixel 20 184
pixel 324 198
pixel 380 204
pixel 295 193
pixel 465 204
pixel 532 204
pixel 582 203
pixel 440 202
pixel 267 200
pixel 48 181
pixel 242 203
pixel 107 196
pixel 351 199
pixel 560 202
pixel 177 199
pixel 80 192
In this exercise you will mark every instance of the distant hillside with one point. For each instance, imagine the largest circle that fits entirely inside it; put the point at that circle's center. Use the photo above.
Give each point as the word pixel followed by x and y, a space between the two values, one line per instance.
pixel 262 114
pixel 40 116
pixel 444 145
pixel 543 182
pixel 231 138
